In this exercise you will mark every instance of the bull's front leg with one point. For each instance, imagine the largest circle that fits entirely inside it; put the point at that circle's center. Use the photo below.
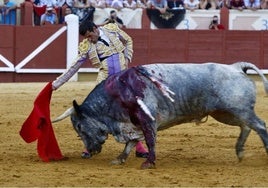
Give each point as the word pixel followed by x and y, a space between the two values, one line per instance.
pixel 121 159
pixel 150 138
pixel 148 127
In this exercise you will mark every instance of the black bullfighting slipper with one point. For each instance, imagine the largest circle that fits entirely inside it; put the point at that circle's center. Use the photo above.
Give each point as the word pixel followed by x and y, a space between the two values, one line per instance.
pixel 142 155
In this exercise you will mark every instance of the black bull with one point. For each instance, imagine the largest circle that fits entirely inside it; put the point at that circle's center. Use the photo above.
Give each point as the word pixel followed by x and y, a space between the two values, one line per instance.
pixel 134 104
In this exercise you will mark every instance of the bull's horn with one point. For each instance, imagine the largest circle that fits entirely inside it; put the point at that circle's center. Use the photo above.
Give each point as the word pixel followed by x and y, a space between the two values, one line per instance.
pixel 67 113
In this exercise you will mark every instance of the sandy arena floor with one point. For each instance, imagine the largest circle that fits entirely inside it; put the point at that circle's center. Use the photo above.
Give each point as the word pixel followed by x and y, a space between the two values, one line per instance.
pixel 187 155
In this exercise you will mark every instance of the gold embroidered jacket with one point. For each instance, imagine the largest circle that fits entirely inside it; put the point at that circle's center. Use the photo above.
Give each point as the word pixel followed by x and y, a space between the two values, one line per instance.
pixel 120 43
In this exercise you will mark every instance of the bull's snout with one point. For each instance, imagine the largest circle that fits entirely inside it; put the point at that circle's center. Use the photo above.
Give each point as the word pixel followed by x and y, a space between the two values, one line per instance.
pixel 89 153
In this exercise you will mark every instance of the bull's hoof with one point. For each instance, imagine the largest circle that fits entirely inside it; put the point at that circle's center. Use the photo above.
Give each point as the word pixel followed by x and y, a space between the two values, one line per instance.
pixel 118 161
pixel 147 165
pixel 240 156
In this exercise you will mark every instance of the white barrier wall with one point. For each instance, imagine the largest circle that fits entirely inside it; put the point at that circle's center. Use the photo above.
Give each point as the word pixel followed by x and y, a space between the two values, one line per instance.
pixel 198 19
pixel 248 20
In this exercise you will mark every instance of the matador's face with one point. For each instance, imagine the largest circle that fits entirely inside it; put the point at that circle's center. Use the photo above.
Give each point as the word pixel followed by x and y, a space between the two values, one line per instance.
pixel 93 36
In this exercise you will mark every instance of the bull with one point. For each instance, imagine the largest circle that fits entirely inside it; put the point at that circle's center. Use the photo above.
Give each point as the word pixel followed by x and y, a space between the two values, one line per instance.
pixel 136 103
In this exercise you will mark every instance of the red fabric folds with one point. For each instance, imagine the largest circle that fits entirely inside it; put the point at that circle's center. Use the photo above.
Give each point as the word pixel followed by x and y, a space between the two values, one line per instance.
pixel 38 126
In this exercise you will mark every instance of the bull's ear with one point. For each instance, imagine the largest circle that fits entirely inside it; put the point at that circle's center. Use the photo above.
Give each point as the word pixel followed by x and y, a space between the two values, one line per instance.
pixel 76 107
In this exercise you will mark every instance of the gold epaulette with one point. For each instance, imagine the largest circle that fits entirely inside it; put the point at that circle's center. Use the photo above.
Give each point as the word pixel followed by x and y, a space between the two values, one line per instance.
pixel 111 26
pixel 84 46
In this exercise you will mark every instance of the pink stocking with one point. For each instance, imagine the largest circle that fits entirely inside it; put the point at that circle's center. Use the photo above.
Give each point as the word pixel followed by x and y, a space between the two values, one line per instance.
pixel 140 148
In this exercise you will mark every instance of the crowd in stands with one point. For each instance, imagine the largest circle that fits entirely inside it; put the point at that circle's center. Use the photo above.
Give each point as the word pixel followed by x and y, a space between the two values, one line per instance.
pixel 133 4
pixel 53 11
pixel 8 12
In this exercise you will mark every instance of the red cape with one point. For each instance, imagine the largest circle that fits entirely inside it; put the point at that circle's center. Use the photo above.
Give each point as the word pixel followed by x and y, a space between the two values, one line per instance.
pixel 38 126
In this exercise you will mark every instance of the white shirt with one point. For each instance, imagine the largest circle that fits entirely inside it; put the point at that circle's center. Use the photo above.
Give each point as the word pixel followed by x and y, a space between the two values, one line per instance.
pixel 255 4
pixel 103 36
pixel 191 4
pixel 49 3
pixel 133 4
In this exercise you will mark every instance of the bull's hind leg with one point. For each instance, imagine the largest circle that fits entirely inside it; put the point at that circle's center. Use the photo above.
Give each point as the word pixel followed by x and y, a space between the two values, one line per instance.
pixel 245 130
pixel 246 121
pixel 259 126
pixel 230 119
pixel 253 122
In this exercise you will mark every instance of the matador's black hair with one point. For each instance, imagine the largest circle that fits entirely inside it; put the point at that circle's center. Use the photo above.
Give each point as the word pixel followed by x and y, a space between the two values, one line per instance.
pixel 86 25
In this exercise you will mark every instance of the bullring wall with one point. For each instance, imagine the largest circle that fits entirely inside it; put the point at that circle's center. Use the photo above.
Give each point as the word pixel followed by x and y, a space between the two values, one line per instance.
pixel 150 46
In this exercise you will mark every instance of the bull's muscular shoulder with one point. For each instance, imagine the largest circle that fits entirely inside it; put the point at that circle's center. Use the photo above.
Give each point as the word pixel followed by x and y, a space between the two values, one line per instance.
pixel 111 27
pixel 84 46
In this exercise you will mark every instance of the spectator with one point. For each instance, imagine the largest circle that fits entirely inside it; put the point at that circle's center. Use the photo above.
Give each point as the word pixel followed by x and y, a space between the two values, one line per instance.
pixel 49 17
pixel 69 3
pixel 264 4
pixel 40 8
pixel 8 12
pixel 98 3
pixel 207 4
pixel 37 11
pixel 191 5
pixel 41 5
pixel 108 3
pixel 141 3
pixel 67 11
pixel 113 18
pixel 83 9
pixel 48 3
pixel 221 3
pixel 117 4
pixel 130 4
pixel 61 3
pixel 214 25
pixel 81 4
pixel 252 4
pixel 160 5
pixel 237 5
pixel 175 4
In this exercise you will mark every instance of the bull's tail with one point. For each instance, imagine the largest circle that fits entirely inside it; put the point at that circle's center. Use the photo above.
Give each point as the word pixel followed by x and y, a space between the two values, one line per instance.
pixel 246 66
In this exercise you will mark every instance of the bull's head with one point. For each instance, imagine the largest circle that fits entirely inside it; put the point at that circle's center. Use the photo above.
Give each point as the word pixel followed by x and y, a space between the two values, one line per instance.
pixel 92 132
